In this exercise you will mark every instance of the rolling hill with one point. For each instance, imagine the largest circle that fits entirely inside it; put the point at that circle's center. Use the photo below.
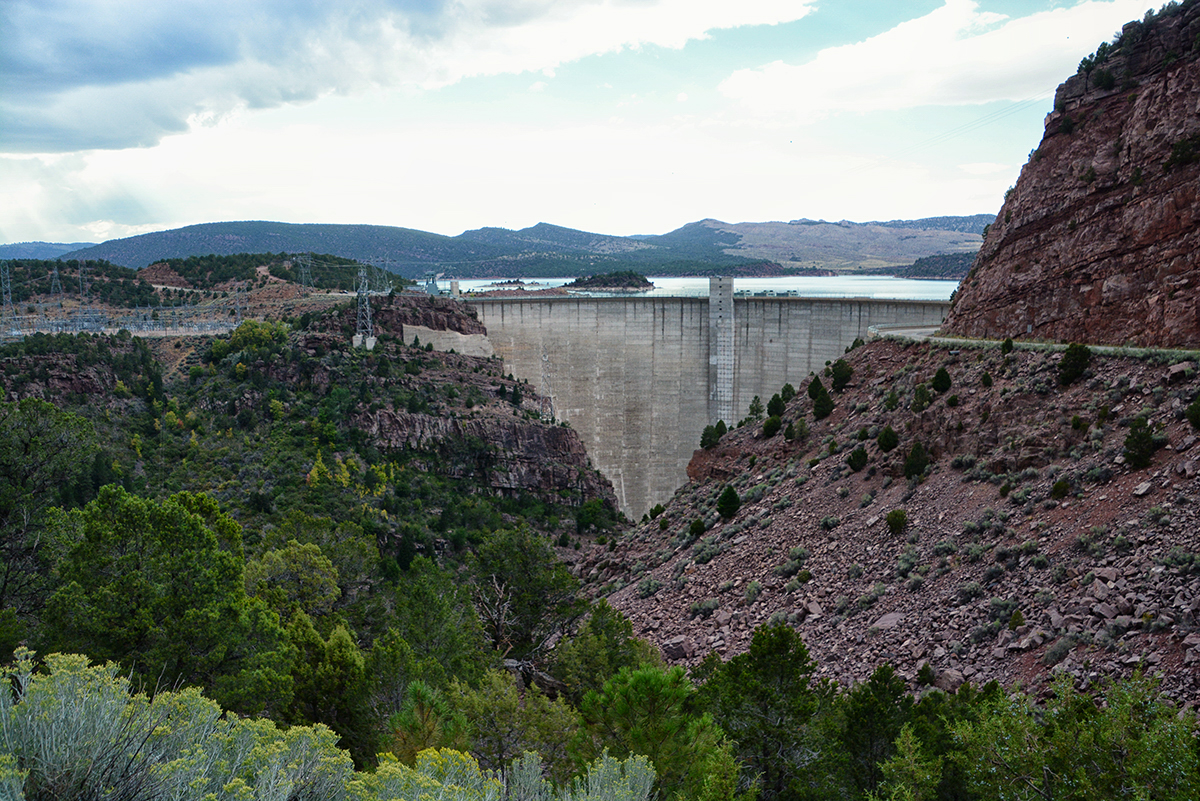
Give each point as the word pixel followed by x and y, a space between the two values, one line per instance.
pixel 702 247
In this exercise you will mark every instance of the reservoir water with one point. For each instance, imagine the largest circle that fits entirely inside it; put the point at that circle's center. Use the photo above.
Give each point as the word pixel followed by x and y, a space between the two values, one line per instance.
pixel 850 286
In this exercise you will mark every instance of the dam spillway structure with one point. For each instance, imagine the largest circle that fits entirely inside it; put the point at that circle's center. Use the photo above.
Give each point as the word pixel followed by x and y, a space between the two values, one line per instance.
pixel 640 377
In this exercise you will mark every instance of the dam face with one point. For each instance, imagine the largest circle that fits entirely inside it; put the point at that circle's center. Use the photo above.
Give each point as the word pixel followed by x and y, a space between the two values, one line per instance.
pixel 640 378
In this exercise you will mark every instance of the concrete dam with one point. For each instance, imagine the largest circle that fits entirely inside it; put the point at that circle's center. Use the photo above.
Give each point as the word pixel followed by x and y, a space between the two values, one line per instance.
pixel 639 378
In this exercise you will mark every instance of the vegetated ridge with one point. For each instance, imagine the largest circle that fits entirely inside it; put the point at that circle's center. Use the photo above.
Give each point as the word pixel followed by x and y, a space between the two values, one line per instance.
pixel 708 247
pixel 1097 241
pixel 39 250
pixel 947 266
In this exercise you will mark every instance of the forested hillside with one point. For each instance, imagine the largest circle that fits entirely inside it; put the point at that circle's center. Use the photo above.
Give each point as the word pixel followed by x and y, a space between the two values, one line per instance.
pixel 707 247
pixel 369 554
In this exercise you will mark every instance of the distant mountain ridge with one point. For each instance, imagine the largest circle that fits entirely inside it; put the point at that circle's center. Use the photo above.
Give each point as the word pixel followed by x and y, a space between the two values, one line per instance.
pixel 543 250
pixel 39 250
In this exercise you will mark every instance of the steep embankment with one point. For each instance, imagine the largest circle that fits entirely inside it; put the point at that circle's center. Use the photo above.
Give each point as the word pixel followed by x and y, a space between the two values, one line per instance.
pixel 1030 543
pixel 1097 241
pixel 306 396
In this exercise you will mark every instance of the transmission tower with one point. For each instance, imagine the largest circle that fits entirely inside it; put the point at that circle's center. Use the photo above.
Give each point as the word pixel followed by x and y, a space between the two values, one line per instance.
pixel 55 284
pixel 83 317
pixel 10 317
pixel 306 280
pixel 383 276
pixel 364 332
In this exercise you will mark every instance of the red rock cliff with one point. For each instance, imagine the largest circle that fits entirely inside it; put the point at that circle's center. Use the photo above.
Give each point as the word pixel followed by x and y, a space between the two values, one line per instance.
pixel 1099 241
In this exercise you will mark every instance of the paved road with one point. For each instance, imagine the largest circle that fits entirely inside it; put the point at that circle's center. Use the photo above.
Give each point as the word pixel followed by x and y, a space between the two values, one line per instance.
pixel 919 334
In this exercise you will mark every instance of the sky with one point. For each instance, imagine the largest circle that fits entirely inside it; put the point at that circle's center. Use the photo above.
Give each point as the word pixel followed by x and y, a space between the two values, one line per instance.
pixel 121 117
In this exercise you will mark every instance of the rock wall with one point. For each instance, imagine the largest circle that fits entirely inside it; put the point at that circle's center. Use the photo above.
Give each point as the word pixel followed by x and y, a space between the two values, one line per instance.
pixel 1098 240
pixel 506 454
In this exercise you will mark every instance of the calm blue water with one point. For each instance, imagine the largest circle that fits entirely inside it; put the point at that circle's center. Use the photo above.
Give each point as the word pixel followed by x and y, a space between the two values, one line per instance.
pixel 836 287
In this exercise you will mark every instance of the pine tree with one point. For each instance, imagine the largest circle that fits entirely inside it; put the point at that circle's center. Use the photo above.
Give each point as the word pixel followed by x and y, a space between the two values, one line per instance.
pixel 822 403
pixel 729 503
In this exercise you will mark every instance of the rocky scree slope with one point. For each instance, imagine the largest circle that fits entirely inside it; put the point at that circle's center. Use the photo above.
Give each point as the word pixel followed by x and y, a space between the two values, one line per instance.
pixel 1097 241
pixel 1031 545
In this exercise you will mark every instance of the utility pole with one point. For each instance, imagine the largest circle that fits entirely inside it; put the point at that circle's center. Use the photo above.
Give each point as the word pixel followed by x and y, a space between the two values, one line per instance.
pixel 306 280
pixel 10 317
pixel 364 335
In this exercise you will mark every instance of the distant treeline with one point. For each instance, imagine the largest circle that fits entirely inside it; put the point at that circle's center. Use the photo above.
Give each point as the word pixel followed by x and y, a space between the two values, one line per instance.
pixel 206 272
pixel 108 283
pixel 949 266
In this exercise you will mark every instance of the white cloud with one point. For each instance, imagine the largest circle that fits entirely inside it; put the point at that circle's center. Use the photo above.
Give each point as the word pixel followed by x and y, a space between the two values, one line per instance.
pixel 538 86
pixel 955 55
pixel 447 175
pixel 561 33
pixel 279 58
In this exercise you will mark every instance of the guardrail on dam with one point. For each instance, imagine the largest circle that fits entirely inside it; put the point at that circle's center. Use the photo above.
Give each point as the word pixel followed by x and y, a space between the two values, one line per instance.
pixel 640 378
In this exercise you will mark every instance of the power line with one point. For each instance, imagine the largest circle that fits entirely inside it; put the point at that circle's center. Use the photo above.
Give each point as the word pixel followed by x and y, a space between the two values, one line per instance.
pixel 957 131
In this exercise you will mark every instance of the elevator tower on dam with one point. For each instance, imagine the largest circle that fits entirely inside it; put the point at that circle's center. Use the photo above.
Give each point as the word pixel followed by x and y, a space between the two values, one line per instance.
pixel 640 377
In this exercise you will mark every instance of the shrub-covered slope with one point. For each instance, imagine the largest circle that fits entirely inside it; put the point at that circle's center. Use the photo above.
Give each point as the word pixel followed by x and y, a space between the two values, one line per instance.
pixel 1029 543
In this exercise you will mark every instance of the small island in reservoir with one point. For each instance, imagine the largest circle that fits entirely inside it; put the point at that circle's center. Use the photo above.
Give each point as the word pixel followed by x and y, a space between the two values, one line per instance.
pixel 623 281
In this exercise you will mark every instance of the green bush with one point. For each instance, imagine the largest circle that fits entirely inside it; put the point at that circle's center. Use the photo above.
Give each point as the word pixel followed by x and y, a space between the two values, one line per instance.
pixel 729 503
pixel 921 398
pixel 969 592
pixel 647 587
pixel 986 379
pixel 916 462
pixel 941 380
pixel 857 459
pixel 755 410
pixel 840 374
pixel 1074 362
pixel 897 521
pixel 696 528
pixel 753 590
pixel 822 403
pixel 887 439
pixel 1061 489
pixel 1193 413
pixel 775 406
pixel 709 438
pixel 1006 347
pixel 772 425
pixel 787 393
pixel 1140 444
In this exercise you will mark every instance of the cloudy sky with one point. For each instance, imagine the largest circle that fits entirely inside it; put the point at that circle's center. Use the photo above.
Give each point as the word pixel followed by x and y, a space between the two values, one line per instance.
pixel 119 117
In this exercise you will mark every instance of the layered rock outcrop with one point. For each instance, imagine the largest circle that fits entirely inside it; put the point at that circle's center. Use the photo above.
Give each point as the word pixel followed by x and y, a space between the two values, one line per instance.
pixel 504 453
pixel 1098 240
